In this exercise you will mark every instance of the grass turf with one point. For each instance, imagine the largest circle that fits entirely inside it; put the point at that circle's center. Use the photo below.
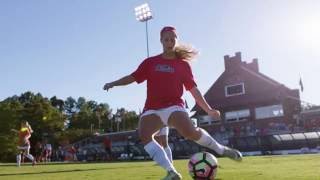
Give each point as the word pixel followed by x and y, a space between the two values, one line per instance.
pixel 290 167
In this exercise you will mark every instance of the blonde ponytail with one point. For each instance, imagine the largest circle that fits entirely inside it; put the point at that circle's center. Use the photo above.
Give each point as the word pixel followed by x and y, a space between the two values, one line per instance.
pixel 186 52
pixel 29 127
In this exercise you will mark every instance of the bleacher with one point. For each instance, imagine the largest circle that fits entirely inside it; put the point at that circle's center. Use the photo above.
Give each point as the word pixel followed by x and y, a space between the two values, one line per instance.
pixel 277 142
pixel 126 145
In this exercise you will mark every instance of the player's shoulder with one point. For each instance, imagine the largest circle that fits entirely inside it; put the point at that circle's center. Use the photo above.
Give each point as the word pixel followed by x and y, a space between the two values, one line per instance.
pixel 153 58
pixel 184 63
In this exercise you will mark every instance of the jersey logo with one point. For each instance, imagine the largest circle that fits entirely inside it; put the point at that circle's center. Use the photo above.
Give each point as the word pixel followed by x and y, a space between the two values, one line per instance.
pixel 164 68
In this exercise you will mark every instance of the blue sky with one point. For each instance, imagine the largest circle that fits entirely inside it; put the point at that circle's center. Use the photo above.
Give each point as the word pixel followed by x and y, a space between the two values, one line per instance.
pixel 71 48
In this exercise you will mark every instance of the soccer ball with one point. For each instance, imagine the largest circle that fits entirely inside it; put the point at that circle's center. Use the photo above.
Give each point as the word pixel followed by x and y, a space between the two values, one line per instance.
pixel 203 165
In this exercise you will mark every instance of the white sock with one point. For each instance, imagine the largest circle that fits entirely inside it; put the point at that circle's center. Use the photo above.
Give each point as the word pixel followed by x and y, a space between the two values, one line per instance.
pixel 169 153
pixel 207 141
pixel 29 156
pixel 157 153
pixel 18 159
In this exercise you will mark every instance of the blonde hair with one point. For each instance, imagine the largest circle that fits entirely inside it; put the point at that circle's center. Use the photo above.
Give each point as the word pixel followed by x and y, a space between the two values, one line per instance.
pixel 185 52
pixel 27 125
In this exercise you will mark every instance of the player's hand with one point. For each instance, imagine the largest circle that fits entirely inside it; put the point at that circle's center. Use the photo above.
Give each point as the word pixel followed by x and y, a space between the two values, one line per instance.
pixel 215 114
pixel 107 86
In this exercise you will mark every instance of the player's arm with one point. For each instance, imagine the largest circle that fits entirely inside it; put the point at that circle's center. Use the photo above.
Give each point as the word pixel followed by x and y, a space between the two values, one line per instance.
pixel 203 103
pixel 14 130
pixel 120 82
pixel 30 129
pixel 26 138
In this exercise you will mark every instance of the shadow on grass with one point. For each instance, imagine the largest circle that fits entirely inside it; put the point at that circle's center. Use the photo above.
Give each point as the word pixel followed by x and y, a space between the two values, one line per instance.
pixel 65 171
pixel 71 163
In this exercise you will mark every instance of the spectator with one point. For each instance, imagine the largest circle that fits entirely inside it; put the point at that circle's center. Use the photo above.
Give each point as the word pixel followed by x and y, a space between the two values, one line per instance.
pixel 107 147
pixel 47 151
pixel 60 154
pixel 38 151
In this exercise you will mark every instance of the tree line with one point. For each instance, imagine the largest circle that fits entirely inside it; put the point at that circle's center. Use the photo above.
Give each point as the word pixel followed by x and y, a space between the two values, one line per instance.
pixel 60 121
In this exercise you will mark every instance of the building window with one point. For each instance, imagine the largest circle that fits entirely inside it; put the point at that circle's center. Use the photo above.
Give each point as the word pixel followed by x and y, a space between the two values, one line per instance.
pixel 234 90
pixel 206 119
pixel 241 115
pixel 269 111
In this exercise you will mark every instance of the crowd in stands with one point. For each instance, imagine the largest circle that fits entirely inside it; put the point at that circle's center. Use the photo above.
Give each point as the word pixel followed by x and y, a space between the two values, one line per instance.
pixel 43 151
pixel 126 145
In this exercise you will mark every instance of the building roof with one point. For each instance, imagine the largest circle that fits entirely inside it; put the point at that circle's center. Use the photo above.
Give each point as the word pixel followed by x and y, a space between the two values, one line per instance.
pixel 259 88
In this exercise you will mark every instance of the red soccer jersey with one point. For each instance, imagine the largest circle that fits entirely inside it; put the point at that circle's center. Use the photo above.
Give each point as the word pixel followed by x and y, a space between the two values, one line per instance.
pixel 24 135
pixel 165 81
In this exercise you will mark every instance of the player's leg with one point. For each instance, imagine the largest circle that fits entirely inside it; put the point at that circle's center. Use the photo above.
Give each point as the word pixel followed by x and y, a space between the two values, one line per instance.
pixel 29 156
pixel 181 121
pixel 162 138
pixel 18 157
pixel 22 155
pixel 149 124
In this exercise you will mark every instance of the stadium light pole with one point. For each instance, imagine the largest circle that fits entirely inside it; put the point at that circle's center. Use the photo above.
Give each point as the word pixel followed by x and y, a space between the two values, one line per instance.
pixel 118 120
pixel 110 117
pixel 143 14
pixel 99 119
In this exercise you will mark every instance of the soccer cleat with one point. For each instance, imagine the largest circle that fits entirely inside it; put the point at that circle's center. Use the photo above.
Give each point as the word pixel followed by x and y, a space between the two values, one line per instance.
pixel 232 154
pixel 172 175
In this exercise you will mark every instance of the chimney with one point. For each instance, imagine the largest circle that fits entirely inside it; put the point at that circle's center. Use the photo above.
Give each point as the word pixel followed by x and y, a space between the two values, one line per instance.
pixel 254 65
pixel 232 62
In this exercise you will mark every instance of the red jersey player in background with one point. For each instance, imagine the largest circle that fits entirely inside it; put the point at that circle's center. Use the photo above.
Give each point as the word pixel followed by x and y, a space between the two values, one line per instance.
pixel 108 147
pixel 24 144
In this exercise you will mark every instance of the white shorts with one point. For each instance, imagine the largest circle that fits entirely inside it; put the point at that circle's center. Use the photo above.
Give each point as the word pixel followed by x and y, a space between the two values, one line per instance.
pixel 164 113
pixel 23 147
pixel 163 131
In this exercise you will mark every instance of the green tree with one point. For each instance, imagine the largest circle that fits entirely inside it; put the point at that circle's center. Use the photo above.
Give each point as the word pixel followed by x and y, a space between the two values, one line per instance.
pixel 70 105
pixel 8 120
pixel 57 103
pixel 48 117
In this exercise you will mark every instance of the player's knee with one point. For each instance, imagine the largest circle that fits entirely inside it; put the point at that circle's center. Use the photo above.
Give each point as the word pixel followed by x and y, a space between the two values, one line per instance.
pixel 163 141
pixel 193 134
pixel 165 145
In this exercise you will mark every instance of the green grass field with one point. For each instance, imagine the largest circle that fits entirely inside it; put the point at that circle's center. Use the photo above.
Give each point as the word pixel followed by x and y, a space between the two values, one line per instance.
pixel 289 167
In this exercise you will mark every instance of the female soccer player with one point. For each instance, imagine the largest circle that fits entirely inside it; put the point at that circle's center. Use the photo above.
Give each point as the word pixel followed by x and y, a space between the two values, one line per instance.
pixel 167 74
pixel 24 144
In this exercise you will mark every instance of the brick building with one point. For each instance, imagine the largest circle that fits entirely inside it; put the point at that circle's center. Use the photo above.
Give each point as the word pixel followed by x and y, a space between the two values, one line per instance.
pixel 245 96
